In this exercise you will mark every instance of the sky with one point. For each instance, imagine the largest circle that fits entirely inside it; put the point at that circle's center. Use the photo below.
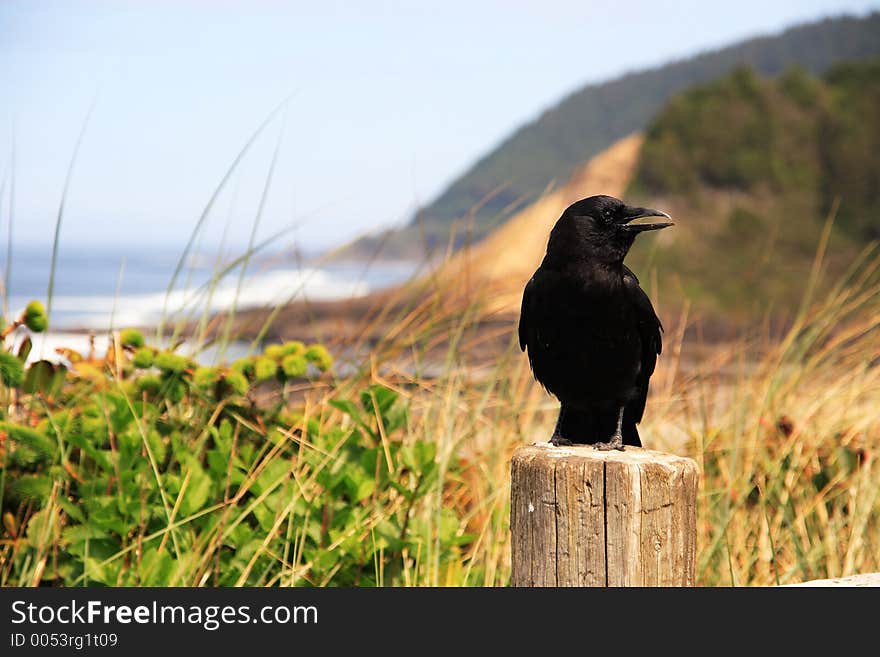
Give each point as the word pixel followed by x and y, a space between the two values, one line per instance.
pixel 382 104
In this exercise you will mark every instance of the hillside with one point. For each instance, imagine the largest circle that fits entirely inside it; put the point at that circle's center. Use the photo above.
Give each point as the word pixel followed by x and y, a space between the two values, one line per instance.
pixel 489 275
pixel 501 264
pixel 749 167
pixel 547 150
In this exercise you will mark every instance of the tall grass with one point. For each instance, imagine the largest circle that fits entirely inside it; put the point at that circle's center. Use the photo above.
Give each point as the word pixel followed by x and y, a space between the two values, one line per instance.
pixel 786 433
pixel 395 469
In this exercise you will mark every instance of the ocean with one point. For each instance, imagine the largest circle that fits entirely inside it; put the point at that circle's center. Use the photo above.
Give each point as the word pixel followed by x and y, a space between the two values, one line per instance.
pixel 97 289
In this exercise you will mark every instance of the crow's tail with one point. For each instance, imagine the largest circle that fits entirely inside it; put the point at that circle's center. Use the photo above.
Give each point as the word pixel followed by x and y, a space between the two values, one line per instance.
pixel 631 434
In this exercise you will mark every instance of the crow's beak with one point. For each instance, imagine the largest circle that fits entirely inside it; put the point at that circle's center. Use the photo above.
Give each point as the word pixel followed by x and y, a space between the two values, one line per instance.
pixel 631 214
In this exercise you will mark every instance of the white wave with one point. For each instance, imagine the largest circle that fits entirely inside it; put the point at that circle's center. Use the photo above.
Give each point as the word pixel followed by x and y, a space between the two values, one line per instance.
pixel 264 289
pixel 44 346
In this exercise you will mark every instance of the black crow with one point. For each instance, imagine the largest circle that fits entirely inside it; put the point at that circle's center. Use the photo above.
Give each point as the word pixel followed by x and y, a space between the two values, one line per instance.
pixel 591 332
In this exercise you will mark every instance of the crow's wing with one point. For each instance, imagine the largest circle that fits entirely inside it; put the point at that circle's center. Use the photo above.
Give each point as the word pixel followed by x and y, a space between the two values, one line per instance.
pixel 539 322
pixel 526 314
pixel 650 330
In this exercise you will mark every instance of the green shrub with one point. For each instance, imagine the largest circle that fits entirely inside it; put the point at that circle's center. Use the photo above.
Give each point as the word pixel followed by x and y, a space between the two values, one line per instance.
pixel 173 389
pixel 319 356
pixel 206 377
pixel 131 338
pixel 151 385
pixel 293 347
pixel 170 362
pixel 796 137
pixel 264 368
pixel 274 351
pixel 294 366
pixel 35 317
pixel 244 366
pixel 237 383
pixel 143 358
pixel 11 370
pixel 97 476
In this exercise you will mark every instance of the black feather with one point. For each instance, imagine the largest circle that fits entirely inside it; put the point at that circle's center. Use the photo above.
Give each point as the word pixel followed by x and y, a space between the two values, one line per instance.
pixel 590 331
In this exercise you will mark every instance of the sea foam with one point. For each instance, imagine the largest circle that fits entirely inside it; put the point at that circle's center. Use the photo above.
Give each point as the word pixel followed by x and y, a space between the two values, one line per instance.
pixel 265 289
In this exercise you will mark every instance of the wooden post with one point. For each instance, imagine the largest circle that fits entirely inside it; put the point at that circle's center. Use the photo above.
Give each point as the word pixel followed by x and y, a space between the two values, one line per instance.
pixel 581 517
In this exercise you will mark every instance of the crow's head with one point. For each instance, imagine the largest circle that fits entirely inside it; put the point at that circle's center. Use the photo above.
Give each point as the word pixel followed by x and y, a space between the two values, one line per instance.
pixel 600 227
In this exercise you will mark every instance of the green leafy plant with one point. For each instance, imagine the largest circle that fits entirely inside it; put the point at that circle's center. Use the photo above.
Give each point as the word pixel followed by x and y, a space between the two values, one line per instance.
pixel 11 370
pixel 35 317
pixel 172 471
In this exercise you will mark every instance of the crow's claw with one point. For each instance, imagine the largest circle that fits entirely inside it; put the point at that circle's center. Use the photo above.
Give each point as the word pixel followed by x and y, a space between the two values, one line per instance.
pixel 559 441
pixel 616 442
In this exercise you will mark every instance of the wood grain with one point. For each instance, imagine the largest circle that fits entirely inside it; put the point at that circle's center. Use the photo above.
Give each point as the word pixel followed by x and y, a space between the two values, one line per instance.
pixel 581 517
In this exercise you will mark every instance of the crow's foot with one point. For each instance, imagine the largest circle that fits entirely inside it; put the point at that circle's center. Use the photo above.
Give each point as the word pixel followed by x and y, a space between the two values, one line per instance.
pixel 559 441
pixel 616 442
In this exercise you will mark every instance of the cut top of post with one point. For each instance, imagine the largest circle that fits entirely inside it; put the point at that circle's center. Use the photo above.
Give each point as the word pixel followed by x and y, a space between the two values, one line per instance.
pixel 583 517
pixel 629 455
